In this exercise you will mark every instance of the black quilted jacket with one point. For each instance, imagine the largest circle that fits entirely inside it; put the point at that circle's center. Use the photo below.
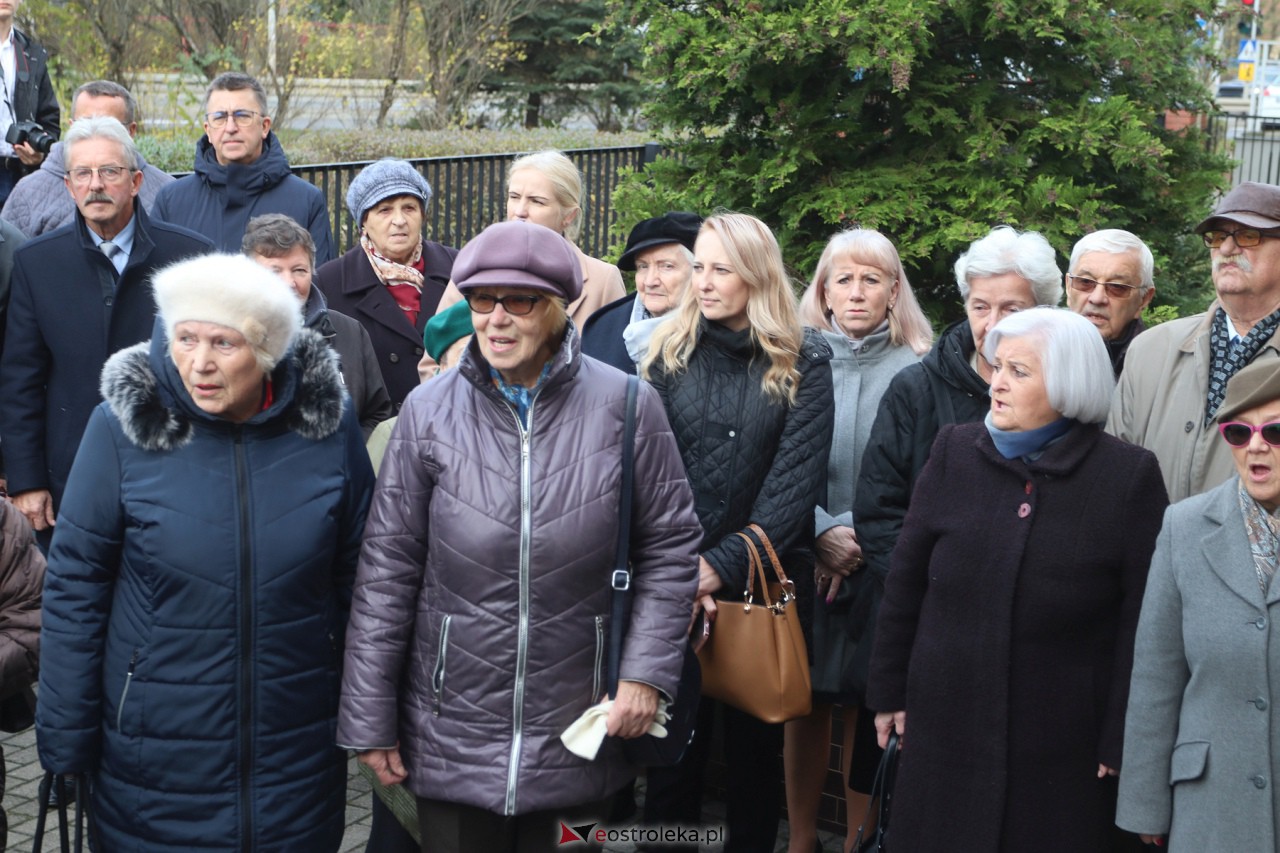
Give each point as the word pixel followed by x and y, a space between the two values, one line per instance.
pixel 942 389
pixel 750 460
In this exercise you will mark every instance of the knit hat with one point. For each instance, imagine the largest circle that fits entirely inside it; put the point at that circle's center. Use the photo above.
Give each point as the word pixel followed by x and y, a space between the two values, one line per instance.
pixel 1251 204
pixel 444 329
pixel 231 291
pixel 517 253
pixel 384 179
pixel 1255 384
pixel 675 227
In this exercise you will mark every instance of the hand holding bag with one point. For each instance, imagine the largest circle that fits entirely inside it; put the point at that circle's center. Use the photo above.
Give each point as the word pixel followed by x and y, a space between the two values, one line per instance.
pixel 756 659
pixel 881 799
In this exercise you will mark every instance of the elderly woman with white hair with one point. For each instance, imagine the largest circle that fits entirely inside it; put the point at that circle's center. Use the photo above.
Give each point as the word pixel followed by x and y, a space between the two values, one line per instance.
pixel 1005 638
pixel 200 576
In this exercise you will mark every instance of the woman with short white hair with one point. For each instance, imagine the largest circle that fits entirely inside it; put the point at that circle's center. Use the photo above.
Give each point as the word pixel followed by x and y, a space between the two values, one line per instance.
pixel 1005 637
pixel 200 576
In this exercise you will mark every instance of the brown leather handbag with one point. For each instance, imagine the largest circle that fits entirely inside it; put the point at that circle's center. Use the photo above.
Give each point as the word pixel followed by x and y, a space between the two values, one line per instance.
pixel 755 658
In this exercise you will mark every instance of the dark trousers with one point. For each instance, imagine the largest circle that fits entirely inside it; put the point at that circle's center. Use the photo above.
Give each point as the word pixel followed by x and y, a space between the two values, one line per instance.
pixel 752 751
pixel 455 828
pixel 386 835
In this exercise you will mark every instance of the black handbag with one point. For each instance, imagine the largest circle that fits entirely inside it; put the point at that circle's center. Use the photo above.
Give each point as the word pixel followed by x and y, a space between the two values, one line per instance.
pixel 881 801
pixel 646 750
pixel 83 818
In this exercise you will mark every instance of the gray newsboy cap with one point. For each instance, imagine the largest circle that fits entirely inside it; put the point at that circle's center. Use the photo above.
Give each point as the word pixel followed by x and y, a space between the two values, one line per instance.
pixel 1251 204
pixel 517 253
pixel 384 179
pixel 1255 384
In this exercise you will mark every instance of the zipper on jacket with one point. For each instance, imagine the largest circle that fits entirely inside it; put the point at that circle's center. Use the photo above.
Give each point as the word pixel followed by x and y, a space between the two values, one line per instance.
pixel 124 694
pixel 437 677
pixel 595 684
pixel 522 637
pixel 244 673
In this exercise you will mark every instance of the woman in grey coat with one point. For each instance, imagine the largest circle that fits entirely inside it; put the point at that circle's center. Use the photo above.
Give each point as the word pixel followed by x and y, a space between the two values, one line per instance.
pixel 862 302
pixel 1202 750
pixel 480 615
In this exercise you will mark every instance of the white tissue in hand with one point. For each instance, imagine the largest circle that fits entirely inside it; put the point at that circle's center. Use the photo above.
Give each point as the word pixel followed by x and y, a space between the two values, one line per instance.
pixel 585 734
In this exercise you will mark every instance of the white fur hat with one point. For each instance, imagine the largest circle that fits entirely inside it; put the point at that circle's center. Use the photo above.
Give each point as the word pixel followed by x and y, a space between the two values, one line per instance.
pixel 232 291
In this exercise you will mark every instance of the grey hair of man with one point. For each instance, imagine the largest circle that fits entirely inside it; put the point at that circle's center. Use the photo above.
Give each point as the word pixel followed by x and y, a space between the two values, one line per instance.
pixel 274 235
pixel 1078 377
pixel 1023 253
pixel 109 89
pixel 236 81
pixel 101 127
pixel 1117 241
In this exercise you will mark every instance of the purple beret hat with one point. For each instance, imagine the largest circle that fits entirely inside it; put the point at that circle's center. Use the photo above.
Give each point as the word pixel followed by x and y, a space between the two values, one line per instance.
pixel 520 254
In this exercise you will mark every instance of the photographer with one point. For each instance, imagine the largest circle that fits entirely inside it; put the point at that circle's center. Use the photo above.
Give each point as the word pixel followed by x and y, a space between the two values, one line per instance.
pixel 29 118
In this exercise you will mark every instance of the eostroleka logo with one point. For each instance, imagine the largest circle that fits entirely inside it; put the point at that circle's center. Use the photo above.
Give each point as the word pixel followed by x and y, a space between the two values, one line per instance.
pixel 575 834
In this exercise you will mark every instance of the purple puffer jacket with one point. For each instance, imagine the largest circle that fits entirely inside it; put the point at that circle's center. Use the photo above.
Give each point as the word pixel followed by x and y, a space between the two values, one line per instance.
pixel 479 625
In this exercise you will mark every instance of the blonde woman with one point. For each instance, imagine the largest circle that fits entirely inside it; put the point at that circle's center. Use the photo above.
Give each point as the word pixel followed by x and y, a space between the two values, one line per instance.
pixel 861 300
pixel 748 395
pixel 545 188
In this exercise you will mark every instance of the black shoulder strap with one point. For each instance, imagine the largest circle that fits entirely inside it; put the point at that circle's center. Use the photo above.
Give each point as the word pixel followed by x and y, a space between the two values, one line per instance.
pixel 620 579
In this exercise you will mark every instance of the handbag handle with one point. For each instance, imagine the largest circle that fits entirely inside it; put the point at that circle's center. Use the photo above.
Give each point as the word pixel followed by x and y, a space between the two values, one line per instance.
pixel 773 556
pixel 881 791
pixel 754 568
pixel 756 562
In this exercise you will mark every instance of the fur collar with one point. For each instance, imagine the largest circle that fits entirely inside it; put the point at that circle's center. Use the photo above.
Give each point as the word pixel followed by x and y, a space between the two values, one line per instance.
pixel 155 415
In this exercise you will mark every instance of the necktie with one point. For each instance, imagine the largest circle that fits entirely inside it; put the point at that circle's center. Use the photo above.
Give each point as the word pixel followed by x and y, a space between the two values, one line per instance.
pixel 109 249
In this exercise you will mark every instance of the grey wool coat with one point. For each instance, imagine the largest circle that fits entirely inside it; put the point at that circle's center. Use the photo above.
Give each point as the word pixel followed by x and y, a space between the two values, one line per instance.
pixel 1202 747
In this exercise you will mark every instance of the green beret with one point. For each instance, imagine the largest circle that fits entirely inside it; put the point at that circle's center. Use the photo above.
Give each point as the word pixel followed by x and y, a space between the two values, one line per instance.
pixel 445 328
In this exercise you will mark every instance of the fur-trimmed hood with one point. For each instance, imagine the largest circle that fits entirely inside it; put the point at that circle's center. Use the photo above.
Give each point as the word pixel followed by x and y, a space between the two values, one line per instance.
pixel 142 386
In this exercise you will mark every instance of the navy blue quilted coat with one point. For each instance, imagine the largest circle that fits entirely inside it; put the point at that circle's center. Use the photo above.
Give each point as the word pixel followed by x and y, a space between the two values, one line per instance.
pixel 199 581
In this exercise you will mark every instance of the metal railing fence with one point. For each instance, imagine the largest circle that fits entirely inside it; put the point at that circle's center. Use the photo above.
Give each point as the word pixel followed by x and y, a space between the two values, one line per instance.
pixel 1253 141
pixel 470 192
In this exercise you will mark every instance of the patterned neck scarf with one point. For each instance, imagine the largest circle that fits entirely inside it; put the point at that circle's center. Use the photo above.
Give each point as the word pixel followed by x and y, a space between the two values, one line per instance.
pixel 1262 528
pixel 390 272
pixel 518 395
pixel 1225 357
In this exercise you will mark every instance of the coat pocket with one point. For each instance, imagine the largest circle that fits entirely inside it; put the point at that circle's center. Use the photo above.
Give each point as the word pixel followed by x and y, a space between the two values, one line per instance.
pixel 1189 761
pixel 438 674
pixel 124 691
pixel 597 683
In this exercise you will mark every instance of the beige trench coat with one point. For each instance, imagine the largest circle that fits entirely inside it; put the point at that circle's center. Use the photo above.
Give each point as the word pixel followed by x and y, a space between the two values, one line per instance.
pixel 1159 404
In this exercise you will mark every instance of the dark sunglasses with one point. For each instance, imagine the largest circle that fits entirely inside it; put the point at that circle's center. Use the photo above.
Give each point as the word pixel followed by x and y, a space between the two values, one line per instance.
pixel 516 304
pixel 1115 289
pixel 1238 434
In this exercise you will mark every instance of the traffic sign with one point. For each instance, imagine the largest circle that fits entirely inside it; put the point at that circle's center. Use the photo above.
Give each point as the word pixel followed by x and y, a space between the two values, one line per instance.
pixel 1248 51
pixel 1244 72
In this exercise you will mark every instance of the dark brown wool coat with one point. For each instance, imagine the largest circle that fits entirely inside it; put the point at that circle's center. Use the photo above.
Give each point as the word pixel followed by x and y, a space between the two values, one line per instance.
pixel 1007 632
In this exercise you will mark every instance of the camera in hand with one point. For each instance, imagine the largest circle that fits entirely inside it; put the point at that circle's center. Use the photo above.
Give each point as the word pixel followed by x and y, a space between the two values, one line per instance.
pixel 32 134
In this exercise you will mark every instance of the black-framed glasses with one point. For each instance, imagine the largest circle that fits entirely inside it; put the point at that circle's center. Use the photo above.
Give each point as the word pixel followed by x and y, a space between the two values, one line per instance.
pixel 243 118
pixel 109 174
pixel 1239 434
pixel 515 304
pixel 1246 238
pixel 1115 289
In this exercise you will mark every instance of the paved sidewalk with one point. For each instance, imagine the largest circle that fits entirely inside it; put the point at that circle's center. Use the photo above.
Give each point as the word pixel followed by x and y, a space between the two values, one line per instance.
pixel 24 775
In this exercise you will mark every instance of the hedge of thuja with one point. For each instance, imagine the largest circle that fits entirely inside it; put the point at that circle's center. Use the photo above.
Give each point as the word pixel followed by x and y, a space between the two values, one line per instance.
pixel 173 152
